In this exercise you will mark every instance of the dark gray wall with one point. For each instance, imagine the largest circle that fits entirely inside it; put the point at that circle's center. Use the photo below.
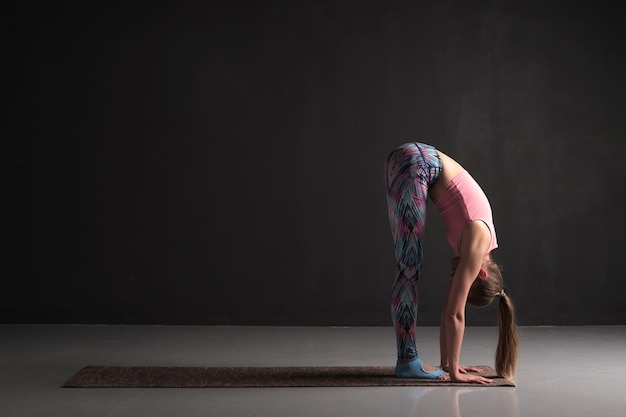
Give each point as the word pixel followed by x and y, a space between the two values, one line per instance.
pixel 222 163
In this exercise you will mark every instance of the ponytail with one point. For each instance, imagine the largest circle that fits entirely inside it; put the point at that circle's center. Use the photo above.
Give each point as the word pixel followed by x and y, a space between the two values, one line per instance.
pixel 506 351
pixel 481 294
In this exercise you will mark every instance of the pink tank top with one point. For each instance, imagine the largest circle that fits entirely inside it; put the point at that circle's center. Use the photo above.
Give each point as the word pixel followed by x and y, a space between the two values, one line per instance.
pixel 461 202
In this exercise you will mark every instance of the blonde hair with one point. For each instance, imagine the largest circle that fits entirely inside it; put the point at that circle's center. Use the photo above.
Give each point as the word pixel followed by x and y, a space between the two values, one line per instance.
pixel 481 294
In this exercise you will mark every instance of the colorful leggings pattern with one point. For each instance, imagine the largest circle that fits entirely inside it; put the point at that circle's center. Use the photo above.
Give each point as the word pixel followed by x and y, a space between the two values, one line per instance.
pixel 410 170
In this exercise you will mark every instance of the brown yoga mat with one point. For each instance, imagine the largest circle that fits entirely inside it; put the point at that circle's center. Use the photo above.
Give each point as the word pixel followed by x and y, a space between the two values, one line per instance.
pixel 257 377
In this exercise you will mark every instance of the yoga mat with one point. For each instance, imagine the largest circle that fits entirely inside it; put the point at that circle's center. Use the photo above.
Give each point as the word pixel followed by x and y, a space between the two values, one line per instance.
pixel 257 377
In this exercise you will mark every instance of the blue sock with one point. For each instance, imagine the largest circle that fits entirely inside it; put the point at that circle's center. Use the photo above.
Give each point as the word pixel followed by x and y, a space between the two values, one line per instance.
pixel 415 369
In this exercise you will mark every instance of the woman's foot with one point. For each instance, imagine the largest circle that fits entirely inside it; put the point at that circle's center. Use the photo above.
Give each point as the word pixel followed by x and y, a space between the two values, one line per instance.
pixel 418 369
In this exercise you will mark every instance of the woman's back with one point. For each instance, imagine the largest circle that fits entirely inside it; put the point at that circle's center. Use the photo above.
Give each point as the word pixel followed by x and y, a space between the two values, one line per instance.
pixel 449 170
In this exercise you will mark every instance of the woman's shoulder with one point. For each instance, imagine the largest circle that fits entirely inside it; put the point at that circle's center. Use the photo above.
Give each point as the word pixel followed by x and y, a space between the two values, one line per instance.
pixel 475 239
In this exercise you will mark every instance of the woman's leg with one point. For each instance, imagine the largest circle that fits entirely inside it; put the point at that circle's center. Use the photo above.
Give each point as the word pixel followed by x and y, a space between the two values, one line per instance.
pixel 410 170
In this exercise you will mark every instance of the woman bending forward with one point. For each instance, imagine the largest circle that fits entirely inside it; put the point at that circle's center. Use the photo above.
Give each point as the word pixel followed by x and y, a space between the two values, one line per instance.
pixel 413 172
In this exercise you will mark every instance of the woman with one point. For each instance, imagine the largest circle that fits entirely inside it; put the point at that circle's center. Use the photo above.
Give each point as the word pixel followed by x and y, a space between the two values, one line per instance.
pixel 413 172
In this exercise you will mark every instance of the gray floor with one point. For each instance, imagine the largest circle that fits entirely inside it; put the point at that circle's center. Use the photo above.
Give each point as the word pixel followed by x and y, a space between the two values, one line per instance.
pixel 563 371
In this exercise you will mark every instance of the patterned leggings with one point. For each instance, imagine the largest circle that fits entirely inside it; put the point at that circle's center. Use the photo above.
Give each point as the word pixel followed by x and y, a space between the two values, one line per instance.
pixel 410 170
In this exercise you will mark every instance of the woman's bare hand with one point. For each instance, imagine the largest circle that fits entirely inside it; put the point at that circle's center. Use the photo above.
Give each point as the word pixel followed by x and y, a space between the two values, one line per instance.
pixel 469 378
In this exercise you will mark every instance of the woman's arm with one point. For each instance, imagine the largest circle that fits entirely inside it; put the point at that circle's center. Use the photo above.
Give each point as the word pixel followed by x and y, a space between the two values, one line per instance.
pixel 442 329
pixel 474 246
pixel 445 362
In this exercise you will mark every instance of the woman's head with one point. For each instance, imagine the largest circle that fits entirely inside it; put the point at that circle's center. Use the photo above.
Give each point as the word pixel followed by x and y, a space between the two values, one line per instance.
pixel 487 285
